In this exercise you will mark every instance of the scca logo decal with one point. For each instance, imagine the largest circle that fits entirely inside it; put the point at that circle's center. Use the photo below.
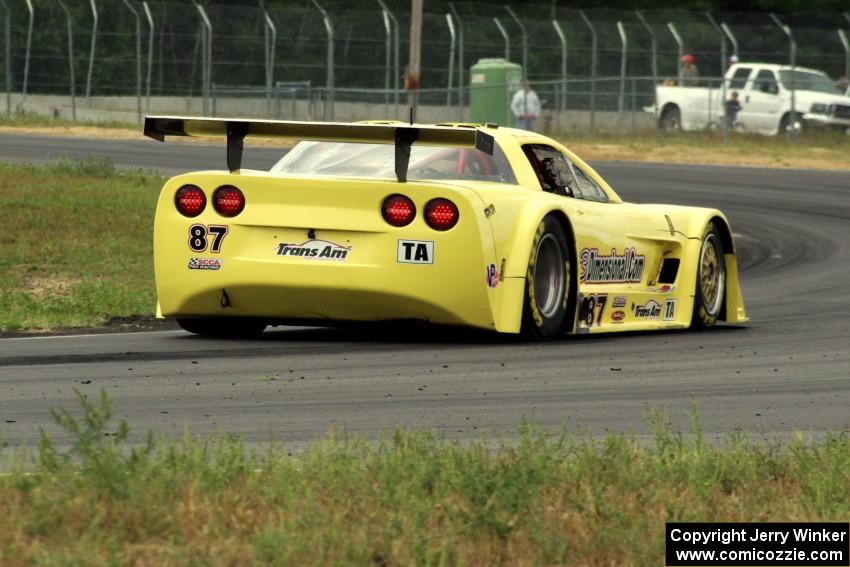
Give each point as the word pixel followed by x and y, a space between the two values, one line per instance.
pixel 415 252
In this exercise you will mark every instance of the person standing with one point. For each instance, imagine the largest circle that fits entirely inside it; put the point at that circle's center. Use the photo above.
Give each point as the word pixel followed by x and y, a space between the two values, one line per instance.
pixel 690 73
pixel 526 107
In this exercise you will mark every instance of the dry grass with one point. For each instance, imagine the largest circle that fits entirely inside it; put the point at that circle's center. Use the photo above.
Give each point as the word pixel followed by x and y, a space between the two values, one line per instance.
pixel 407 499
pixel 814 150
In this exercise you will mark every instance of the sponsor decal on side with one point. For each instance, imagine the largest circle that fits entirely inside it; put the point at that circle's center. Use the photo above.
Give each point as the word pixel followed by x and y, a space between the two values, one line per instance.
pixel 492 276
pixel 415 252
pixel 669 309
pixel 205 263
pixel 649 310
pixel 664 288
pixel 314 250
pixel 619 301
pixel 614 268
pixel 618 316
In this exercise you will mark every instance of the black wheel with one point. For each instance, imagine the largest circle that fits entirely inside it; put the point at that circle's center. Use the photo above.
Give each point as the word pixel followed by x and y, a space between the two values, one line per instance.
pixel 798 125
pixel 547 282
pixel 231 327
pixel 671 119
pixel 710 293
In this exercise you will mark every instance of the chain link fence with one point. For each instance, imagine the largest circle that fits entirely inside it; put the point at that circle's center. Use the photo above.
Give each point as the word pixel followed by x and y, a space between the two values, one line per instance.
pixel 316 60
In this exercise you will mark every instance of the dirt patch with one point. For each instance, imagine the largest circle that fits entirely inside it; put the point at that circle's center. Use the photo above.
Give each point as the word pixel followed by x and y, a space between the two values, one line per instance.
pixel 45 287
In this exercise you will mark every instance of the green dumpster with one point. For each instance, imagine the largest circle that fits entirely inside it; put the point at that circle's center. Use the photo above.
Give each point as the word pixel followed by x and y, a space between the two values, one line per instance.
pixel 492 84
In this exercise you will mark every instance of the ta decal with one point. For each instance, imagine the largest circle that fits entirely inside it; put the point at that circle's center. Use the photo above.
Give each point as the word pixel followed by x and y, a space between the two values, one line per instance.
pixel 669 309
pixel 415 252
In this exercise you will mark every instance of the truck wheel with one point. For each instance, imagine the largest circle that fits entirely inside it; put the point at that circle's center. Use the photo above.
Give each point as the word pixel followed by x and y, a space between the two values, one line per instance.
pixel 547 282
pixel 798 125
pixel 710 292
pixel 671 119
pixel 229 327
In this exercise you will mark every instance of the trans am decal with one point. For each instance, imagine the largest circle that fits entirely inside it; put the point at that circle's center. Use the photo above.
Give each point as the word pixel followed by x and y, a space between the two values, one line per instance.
pixel 314 250
pixel 649 310
pixel 614 268
pixel 205 263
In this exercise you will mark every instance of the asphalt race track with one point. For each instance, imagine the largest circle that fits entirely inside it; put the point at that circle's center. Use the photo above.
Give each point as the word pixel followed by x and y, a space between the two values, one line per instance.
pixel 789 370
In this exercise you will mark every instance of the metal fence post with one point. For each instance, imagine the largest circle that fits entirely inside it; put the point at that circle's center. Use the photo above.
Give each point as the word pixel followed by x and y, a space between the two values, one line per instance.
pixel 593 59
pixel 562 102
pixel 396 48
pixel 792 55
pixel 29 51
pixel 206 56
pixel 329 81
pixel 681 46
pixel 73 83
pixel 388 40
pixel 7 24
pixel 722 110
pixel 624 40
pixel 524 33
pixel 270 38
pixel 138 59
pixel 505 36
pixel 460 68
pixel 654 48
pixel 731 37
pixel 452 47
pixel 91 51
pixel 842 35
pixel 150 56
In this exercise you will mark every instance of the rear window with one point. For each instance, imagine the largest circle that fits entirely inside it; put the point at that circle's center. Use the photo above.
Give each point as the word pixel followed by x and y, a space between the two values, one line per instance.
pixel 739 79
pixel 378 161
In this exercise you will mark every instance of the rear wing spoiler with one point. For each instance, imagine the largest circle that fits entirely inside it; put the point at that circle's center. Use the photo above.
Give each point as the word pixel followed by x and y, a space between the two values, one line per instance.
pixel 401 135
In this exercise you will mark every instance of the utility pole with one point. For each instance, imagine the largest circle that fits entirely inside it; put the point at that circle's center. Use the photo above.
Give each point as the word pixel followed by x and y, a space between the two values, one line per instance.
pixel 412 78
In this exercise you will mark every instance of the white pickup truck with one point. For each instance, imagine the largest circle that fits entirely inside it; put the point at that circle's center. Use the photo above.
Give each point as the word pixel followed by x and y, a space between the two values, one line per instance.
pixel 764 93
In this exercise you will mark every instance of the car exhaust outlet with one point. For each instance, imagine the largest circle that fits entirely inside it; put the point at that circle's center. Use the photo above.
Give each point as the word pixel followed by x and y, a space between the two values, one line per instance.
pixel 225 299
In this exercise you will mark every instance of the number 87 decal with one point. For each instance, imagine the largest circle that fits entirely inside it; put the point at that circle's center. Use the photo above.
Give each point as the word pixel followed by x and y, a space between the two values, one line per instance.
pixel 198 234
pixel 592 307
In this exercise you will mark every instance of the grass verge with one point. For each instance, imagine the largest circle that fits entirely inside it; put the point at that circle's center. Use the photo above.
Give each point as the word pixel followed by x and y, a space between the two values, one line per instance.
pixel 408 498
pixel 75 244
pixel 812 150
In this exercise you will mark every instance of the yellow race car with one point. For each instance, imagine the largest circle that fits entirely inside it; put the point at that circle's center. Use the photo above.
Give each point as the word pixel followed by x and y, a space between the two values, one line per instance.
pixel 457 224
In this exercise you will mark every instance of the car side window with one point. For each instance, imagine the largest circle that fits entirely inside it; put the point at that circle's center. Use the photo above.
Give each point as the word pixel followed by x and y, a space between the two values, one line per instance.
pixel 589 190
pixel 766 82
pixel 739 79
pixel 552 169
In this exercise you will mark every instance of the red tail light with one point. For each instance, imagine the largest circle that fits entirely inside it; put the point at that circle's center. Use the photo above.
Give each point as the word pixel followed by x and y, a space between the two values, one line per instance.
pixel 190 200
pixel 441 214
pixel 398 210
pixel 228 201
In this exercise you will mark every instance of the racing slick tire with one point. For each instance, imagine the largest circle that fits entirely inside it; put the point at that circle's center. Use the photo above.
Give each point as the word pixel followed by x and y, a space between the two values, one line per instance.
pixel 226 328
pixel 671 119
pixel 547 282
pixel 710 292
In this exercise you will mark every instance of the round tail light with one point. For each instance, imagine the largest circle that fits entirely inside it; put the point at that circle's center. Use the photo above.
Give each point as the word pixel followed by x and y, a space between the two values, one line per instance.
pixel 398 210
pixel 441 214
pixel 228 201
pixel 190 200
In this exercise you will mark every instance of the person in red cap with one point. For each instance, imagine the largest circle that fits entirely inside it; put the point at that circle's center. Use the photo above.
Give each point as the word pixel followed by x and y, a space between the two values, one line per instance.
pixel 690 73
